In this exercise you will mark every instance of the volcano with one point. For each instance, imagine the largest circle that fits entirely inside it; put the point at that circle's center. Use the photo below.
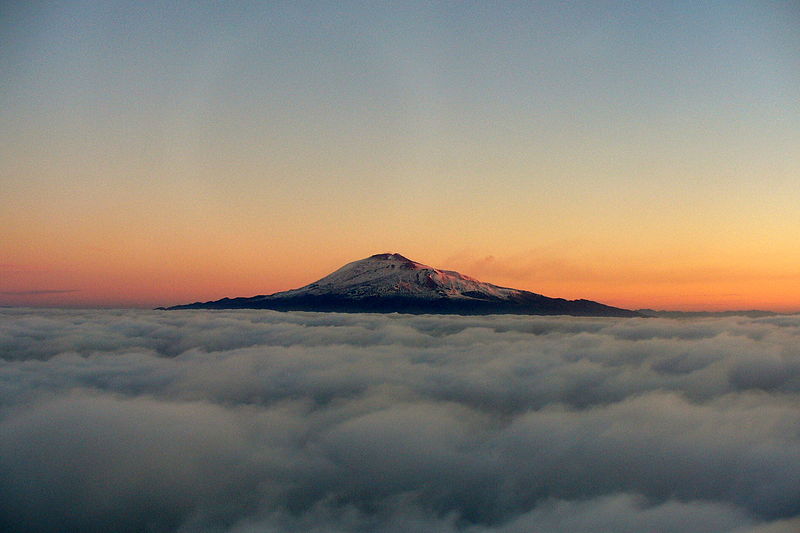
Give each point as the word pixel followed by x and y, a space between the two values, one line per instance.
pixel 392 283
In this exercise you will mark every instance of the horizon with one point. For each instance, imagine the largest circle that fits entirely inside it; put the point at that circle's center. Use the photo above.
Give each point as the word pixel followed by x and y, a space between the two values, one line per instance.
pixel 642 155
pixel 25 295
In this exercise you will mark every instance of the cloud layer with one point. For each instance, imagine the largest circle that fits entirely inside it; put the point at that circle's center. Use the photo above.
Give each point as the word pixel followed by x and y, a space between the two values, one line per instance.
pixel 252 421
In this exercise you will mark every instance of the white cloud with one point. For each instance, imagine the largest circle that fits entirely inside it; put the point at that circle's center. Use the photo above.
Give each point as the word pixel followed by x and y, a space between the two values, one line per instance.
pixel 265 421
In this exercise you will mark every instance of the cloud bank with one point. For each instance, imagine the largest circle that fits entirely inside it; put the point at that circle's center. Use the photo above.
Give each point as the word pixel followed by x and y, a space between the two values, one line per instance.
pixel 252 421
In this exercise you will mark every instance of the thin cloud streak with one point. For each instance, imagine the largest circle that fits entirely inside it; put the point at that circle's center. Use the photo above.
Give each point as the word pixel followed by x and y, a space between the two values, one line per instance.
pixel 38 292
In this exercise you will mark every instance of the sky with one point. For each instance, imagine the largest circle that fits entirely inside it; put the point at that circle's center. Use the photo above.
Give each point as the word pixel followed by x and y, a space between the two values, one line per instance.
pixel 643 154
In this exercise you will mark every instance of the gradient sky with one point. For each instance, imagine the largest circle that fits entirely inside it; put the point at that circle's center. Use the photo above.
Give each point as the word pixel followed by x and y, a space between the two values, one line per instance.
pixel 644 154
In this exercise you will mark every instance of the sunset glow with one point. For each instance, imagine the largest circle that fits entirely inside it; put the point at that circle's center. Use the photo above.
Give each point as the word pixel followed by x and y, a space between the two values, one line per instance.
pixel 643 155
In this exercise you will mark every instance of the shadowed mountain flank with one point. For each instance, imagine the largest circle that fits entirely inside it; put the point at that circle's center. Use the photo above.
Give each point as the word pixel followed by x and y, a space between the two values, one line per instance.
pixel 392 283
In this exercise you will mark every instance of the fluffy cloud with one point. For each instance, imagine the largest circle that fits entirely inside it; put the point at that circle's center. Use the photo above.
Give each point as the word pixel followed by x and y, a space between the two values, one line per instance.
pixel 263 421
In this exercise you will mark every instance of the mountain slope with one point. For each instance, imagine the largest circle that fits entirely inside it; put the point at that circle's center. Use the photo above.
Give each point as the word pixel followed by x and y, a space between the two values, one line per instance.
pixel 388 283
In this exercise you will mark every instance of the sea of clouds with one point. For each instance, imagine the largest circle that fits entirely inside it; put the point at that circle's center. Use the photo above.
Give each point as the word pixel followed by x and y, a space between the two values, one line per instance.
pixel 261 421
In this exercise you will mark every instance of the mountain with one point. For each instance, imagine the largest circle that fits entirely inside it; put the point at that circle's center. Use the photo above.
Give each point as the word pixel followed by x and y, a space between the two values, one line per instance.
pixel 387 283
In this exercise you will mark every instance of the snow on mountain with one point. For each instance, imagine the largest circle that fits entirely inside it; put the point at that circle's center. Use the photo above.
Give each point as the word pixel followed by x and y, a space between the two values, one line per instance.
pixel 394 275
pixel 387 283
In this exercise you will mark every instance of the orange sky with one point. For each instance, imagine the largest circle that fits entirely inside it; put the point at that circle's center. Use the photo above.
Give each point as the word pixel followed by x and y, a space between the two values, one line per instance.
pixel 134 273
pixel 641 157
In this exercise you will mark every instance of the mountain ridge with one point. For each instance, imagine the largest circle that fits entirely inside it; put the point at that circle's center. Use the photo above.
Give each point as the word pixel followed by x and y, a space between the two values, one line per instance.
pixel 390 282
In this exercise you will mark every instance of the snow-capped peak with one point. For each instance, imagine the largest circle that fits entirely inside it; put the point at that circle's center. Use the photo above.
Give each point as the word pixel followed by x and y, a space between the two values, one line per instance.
pixel 392 274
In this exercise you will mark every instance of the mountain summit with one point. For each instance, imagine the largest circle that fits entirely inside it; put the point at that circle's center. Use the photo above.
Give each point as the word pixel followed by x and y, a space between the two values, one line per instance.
pixel 387 283
pixel 392 275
